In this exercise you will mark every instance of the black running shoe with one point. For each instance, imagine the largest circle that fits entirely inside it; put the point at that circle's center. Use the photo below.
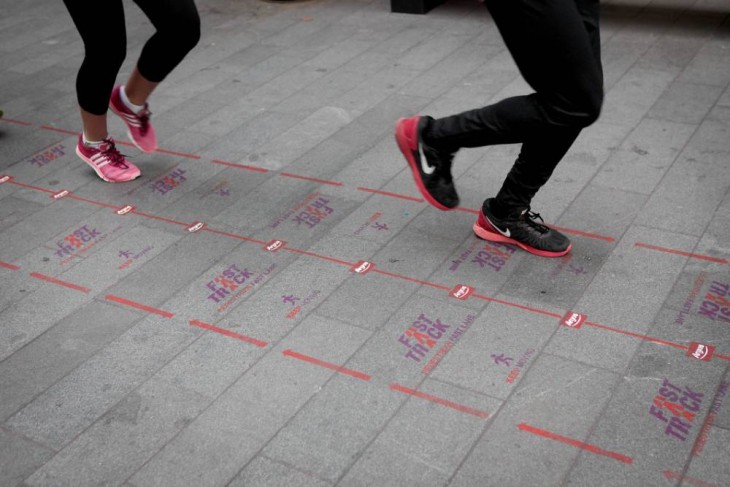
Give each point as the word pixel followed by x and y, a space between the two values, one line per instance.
pixel 431 169
pixel 522 229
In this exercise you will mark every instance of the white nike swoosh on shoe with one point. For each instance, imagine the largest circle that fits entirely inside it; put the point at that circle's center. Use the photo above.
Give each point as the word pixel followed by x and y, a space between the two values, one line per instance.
pixel 505 232
pixel 425 167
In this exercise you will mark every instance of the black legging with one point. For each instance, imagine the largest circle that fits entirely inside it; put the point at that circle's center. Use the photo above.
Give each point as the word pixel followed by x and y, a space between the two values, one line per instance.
pixel 105 41
pixel 556 46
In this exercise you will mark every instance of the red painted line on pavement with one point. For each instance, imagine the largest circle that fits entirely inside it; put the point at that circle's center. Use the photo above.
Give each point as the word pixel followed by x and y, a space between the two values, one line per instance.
pixel 180 154
pixel 516 305
pixel 394 195
pixel 56 129
pixel 681 252
pixel 98 203
pixel 53 280
pixel 328 365
pixel 162 218
pixel 318 256
pixel 17 122
pixel 438 400
pixel 241 166
pixel 233 235
pixel 8 265
pixel 228 333
pixel 723 357
pixel 134 304
pixel 581 233
pixel 30 186
pixel 575 443
pixel 636 335
pixel 307 178
pixel 411 279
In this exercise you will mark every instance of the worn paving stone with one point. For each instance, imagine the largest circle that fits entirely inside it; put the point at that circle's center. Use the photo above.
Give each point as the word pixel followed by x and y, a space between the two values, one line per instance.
pixel 136 352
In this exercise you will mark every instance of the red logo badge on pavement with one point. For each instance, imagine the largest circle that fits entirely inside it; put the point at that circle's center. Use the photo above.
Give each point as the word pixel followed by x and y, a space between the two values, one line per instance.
pixel 362 267
pixel 196 227
pixel 700 351
pixel 573 320
pixel 5 179
pixel 60 194
pixel 461 291
pixel 274 245
pixel 124 210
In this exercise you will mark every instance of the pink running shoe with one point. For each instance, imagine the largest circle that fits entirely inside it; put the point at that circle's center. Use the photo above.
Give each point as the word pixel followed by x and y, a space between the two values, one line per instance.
pixel 107 161
pixel 139 128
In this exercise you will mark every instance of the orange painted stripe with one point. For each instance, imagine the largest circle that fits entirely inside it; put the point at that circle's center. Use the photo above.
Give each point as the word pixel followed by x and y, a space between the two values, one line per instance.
pixel 60 282
pixel 240 166
pixel 181 154
pixel 30 186
pixel 681 252
pixel 56 129
pixel 307 178
pixel 581 233
pixel 233 235
pixel 636 335
pixel 134 304
pixel 444 402
pixel 228 333
pixel 516 305
pixel 328 365
pixel 93 202
pixel 8 265
pixel 411 279
pixel 17 122
pixel 576 443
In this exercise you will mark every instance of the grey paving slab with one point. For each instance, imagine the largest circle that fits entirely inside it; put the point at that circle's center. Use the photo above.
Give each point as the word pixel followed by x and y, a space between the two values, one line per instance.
pixel 22 322
pixel 411 343
pixel 325 435
pixel 710 466
pixel 686 181
pixel 634 94
pixel 20 457
pixel 113 448
pixel 263 471
pixel 407 453
pixel 492 352
pixel 282 150
pixel 547 399
pixel 79 399
pixel 69 343
pixel 646 431
pixel 198 251
pixel 625 300
pixel 685 102
pixel 645 155
pixel 242 420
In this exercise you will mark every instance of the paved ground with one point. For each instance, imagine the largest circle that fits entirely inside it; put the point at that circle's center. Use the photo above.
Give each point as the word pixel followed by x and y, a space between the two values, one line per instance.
pixel 137 351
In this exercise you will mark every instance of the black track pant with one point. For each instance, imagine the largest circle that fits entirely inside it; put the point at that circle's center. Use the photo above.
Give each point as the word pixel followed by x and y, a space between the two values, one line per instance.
pixel 101 25
pixel 556 45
